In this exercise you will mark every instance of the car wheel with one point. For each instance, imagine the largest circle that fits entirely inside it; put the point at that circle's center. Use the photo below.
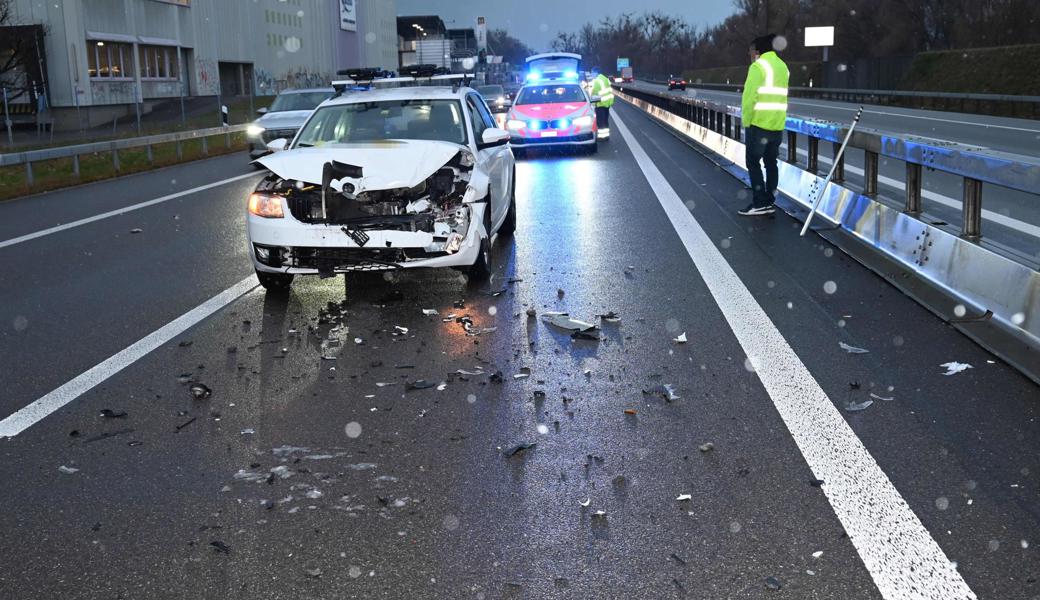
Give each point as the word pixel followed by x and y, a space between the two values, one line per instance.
pixel 509 224
pixel 481 269
pixel 594 147
pixel 275 282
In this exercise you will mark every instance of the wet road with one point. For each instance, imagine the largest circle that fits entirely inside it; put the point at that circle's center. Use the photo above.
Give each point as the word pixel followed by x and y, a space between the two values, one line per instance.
pixel 1011 219
pixel 315 470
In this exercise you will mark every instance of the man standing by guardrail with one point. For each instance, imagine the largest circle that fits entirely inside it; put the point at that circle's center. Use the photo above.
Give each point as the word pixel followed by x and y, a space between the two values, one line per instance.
pixel 763 115
pixel 601 87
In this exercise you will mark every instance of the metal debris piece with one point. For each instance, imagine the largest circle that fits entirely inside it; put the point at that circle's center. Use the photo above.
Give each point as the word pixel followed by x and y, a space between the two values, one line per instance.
pixel 470 373
pixel 858 406
pixel 400 330
pixel 817 554
pixel 564 321
pixel 708 447
pixel 442 386
pixel 108 413
pixel 67 470
pixel 185 424
pixel 199 391
pixel 419 384
pixel 136 230
pixel 677 559
pixel 249 431
pixel 521 376
pixel 876 397
pixel 952 368
pixel 684 498
pixel 852 349
pixel 610 317
pixel 666 391
pixel 519 448
pixel 681 339
pixel 586 503
pixel 429 312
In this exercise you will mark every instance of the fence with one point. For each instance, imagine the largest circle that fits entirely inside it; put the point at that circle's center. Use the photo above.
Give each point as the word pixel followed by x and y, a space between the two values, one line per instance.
pixel 997 292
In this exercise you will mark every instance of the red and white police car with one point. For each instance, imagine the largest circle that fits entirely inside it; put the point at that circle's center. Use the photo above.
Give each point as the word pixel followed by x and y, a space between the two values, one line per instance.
pixel 552 109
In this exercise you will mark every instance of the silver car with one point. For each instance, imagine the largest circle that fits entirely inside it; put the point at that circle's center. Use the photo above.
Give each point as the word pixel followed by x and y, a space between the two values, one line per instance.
pixel 287 114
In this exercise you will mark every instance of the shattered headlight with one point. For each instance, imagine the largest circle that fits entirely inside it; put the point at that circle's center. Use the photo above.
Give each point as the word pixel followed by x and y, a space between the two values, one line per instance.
pixel 466 159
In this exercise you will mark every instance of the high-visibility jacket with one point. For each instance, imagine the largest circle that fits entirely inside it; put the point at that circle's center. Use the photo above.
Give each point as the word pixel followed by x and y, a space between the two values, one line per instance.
pixel 601 87
pixel 764 103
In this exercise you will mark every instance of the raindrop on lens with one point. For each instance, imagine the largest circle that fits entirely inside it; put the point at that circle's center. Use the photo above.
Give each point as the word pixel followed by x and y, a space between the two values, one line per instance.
pixel 20 323
pixel 779 43
pixel 959 310
pixel 471 399
pixel 543 429
pixel 897 341
pixel 354 572
pixel 734 527
pixel 451 522
pixel 1018 318
pixel 830 287
pixel 771 284
pixel 353 429
pixel 492 311
pixel 725 244
pixel 749 364
pixel 292 44
pixel 829 252
pixel 942 503
pixel 671 325
pixel 993 545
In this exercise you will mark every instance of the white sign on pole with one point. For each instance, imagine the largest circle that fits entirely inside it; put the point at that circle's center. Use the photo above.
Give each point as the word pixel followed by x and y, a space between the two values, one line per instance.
pixel 348 15
pixel 481 33
pixel 819 36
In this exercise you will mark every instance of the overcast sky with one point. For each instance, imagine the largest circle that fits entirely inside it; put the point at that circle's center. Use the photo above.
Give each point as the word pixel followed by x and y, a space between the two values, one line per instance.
pixel 536 22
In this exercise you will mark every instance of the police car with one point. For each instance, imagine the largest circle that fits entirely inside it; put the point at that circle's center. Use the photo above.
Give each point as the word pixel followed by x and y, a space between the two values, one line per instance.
pixel 384 180
pixel 552 108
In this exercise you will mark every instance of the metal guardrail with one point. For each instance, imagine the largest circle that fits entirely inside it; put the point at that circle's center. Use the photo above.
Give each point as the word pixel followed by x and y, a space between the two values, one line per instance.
pixel 29 157
pixel 979 287
pixel 968 102
pixel 974 165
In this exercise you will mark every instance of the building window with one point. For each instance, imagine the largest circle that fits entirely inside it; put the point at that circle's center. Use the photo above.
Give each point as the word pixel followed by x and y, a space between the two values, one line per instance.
pixel 159 62
pixel 110 59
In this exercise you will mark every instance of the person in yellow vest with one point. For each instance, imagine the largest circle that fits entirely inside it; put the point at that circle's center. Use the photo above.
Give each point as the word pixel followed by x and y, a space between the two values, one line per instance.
pixel 763 115
pixel 601 87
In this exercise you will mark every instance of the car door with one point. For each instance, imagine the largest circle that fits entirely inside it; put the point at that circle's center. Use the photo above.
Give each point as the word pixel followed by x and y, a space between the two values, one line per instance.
pixel 498 159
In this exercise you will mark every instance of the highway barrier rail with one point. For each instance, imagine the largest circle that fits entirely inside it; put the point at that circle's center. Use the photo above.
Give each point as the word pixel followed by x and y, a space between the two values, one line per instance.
pixel 987 104
pixel 29 157
pixel 988 292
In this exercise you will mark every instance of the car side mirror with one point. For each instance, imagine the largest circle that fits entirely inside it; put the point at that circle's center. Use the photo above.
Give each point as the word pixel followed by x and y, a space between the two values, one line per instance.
pixel 492 137
pixel 597 98
pixel 261 111
pixel 277 145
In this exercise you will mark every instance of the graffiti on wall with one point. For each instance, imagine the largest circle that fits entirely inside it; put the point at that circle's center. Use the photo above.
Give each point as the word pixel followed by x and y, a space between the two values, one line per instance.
pixel 303 78
pixel 207 77
pixel 265 83
pixel 112 92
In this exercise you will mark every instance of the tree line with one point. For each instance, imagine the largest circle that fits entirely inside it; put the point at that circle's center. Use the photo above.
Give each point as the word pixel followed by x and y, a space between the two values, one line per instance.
pixel 659 43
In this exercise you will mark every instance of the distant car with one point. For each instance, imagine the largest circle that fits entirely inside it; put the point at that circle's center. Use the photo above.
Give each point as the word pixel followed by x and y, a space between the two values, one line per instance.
pixel 384 180
pixel 496 98
pixel 552 113
pixel 283 119
pixel 676 83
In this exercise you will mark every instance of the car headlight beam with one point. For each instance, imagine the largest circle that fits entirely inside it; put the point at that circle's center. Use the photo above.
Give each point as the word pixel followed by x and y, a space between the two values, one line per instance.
pixel 266 206
pixel 584 121
pixel 254 130
pixel 515 124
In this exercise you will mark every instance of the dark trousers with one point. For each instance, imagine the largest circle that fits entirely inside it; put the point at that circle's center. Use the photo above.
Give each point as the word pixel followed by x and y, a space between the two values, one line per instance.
pixel 762 146
pixel 602 117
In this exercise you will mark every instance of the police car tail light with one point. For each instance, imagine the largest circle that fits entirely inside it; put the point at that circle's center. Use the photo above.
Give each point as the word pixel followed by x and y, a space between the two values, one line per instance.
pixel 585 121
pixel 514 124
pixel 266 205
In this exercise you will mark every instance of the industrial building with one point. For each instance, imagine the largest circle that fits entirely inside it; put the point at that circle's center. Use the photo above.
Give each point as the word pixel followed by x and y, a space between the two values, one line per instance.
pixel 107 55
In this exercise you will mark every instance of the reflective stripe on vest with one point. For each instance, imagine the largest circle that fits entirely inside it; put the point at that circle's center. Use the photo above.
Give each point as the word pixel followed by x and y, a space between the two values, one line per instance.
pixel 770 106
pixel 768 89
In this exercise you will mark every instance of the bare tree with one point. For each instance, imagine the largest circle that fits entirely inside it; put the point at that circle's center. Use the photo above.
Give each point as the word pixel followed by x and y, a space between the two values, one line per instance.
pixel 21 59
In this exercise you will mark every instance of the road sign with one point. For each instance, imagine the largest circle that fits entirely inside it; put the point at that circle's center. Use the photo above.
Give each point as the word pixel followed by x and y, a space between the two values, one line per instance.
pixel 622 63
pixel 819 36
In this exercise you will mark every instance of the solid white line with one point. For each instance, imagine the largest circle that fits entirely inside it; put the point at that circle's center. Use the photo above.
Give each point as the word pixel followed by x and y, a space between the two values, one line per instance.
pixel 898 552
pixel 989 215
pixel 119 211
pixel 33 413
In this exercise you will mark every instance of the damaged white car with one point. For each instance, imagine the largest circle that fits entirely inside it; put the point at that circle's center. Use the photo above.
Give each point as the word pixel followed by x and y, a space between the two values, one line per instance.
pixel 384 180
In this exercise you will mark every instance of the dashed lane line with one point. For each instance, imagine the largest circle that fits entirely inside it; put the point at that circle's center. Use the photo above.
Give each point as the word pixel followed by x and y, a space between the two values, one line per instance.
pixel 903 559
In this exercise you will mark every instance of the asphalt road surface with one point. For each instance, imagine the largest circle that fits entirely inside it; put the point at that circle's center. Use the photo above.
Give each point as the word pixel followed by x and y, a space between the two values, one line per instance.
pixel 1011 219
pixel 779 465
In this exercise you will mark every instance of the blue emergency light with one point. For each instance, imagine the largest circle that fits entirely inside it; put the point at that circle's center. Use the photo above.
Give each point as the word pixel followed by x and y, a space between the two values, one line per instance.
pixel 534 76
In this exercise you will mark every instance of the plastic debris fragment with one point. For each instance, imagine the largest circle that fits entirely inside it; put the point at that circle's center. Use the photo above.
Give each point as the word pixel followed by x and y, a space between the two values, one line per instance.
pixel 220 547
pixel 852 349
pixel 68 470
pixel 429 312
pixel 858 406
pixel 681 339
pixel 666 391
pixel 876 397
pixel 586 503
pixel 708 447
pixel 108 413
pixel 519 448
pixel 564 321
pixel 952 368
pixel 684 498
pixel 199 391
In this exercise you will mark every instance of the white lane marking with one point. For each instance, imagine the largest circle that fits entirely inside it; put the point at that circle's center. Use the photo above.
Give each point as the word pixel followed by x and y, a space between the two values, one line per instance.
pixel 119 211
pixel 989 215
pixel 836 106
pixel 33 413
pixel 898 552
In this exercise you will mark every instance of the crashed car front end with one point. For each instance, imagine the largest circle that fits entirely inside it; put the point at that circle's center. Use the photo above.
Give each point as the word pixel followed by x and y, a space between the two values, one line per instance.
pixel 302 226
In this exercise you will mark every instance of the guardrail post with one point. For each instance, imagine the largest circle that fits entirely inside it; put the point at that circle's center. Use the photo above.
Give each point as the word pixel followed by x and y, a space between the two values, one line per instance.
pixel 115 159
pixel 972 227
pixel 180 150
pixel 75 165
pixel 814 155
pixel 870 173
pixel 205 146
pixel 148 152
pixel 913 188
pixel 729 125
pixel 792 147
pixel 29 174
pixel 839 166
pixel 227 140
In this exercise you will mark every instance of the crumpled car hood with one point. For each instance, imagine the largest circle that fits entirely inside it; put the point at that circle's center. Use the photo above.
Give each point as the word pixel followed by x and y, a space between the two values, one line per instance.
pixel 385 165
pixel 285 119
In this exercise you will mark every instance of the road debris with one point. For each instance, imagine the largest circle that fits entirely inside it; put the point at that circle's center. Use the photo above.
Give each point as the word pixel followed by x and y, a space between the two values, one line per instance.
pixel 199 391
pixel 68 470
pixel 817 554
pixel 708 447
pixel 600 514
pixel 220 547
pixel 677 559
pixel 313 572
pixel 108 413
pixel 185 424
pixel 952 368
pixel 681 339
pixel 586 503
pixel 852 349
pixel 858 406
pixel 136 230
pixel 876 397
pixel 519 448
pixel 419 384
pixel 630 411
pixel 249 431
pixel 816 482
pixel 429 312
pixel 610 317
pixel 107 434
pixel 564 321
pixel 666 391
pixel 684 498
pixel 773 583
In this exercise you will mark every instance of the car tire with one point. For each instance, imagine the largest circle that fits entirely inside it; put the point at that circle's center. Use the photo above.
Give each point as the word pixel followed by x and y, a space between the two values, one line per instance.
pixel 509 224
pixel 275 282
pixel 480 270
pixel 594 147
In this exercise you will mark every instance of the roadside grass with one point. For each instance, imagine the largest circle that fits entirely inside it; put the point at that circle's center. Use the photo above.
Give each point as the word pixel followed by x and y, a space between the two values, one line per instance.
pixel 58 173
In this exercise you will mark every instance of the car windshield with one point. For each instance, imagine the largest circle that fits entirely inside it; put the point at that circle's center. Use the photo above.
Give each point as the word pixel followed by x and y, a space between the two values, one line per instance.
pixel 491 91
pixel 545 94
pixel 299 101
pixel 440 120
